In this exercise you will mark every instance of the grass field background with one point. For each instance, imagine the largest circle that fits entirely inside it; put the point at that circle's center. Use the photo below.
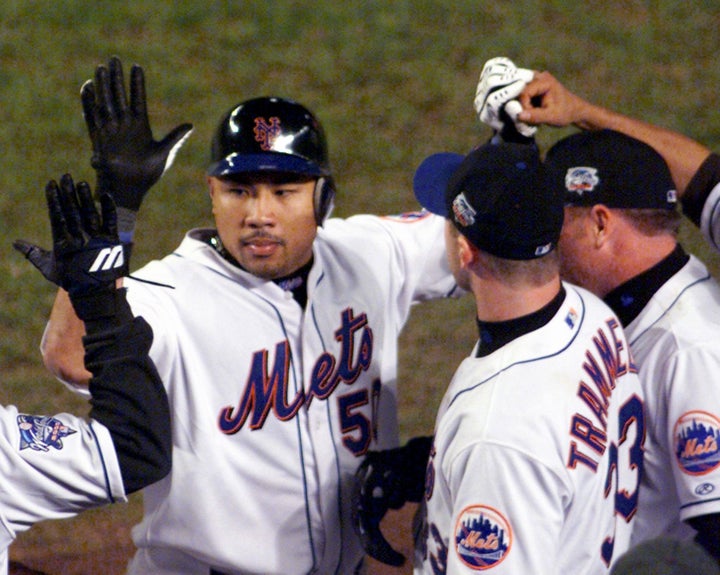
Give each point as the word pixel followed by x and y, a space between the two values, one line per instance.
pixel 392 81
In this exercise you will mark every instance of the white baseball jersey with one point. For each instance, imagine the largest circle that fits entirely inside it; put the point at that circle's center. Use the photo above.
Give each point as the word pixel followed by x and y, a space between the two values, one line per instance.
pixel 538 452
pixel 674 340
pixel 274 406
pixel 52 467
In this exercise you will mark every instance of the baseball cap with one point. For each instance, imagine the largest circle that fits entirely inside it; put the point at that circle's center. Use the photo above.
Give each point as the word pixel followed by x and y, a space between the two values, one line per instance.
pixel 495 197
pixel 610 168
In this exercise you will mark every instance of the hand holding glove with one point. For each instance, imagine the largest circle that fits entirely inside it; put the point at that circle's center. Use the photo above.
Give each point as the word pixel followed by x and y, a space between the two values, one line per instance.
pixel 496 99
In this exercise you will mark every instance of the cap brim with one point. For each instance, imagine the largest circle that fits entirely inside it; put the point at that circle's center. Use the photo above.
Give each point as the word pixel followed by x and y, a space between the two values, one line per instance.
pixel 268 162
pixel 431 180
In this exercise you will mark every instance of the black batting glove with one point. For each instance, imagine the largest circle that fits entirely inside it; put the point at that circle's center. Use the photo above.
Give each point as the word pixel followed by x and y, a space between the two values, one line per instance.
pixel 87 256
pixel 127 160
pixel 387 480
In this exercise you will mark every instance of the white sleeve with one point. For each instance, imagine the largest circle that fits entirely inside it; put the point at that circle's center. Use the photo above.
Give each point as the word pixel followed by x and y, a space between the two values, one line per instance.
pixel 693 401
pixel 710 218
pixel 53 467
pixel 510 498
pixel 418 243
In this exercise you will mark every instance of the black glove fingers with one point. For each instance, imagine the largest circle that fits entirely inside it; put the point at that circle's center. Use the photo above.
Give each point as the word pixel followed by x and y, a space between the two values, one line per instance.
pixel 70 209
pixel 103 94
pixel 89 217
pixel 87 256
pixel 42 259
pixel 89 106
pixel 117 88
pixel 138 100
pixel 58 226
pixel 109 217
pixel 25 247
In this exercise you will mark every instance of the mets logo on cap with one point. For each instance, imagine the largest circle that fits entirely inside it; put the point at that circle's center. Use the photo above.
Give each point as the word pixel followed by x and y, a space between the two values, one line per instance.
pixel 483 537
pixel 697 440
pixel 463 211
pixel 581 179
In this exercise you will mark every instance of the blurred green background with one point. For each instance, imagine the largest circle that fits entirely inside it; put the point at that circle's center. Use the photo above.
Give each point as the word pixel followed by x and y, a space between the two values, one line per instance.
pixel 392 81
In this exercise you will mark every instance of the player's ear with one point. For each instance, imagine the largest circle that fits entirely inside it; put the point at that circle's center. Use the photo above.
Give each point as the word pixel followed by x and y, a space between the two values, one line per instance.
pixel 601 222
pixel 467 252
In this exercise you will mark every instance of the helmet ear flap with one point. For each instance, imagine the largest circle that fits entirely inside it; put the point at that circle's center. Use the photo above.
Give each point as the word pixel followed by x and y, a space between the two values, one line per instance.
pixel 324 198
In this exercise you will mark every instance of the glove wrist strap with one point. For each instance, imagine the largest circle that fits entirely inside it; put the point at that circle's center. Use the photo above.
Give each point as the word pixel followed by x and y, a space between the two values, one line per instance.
pixel 126 220
pixel 106 304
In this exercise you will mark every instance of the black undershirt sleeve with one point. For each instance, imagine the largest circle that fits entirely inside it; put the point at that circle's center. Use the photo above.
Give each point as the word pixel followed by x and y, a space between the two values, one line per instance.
pixel 128 396
pixel 708 532
pixel 699 188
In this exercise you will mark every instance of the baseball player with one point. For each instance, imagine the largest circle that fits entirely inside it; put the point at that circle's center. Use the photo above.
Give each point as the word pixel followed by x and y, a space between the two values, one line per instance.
pixel 275 334
pixel 620 241
pixel 538 445
pixel 56 466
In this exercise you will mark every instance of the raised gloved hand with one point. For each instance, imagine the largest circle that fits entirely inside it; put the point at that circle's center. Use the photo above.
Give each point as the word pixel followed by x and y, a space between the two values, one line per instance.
pixel 496 103
pixel 386 480
pixel 87 256
pixel 127 159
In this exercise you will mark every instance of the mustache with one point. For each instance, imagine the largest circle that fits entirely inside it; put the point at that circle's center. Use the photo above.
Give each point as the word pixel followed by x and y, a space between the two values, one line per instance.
pixel 261 235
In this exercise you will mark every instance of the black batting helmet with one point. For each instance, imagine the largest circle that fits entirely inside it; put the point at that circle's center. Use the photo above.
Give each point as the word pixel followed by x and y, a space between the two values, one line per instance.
pixel 272 134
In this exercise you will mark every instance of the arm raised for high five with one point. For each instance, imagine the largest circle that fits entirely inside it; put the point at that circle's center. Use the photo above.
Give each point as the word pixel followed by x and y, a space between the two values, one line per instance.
pixel 128 397
pixel 128 161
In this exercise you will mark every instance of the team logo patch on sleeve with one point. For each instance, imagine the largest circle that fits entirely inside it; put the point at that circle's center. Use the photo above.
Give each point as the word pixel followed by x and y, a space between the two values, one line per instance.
pixel 483 537
pixel 40 433
pixel 697 437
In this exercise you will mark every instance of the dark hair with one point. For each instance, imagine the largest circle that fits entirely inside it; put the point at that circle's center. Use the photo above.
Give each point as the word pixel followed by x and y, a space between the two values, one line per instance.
pixel 654 222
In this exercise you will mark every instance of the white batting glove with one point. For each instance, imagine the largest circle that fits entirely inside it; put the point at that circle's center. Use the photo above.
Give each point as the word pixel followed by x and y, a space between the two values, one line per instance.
pixel 501 82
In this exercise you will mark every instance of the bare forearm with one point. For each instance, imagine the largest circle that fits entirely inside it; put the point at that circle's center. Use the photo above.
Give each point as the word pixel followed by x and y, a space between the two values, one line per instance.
pixel 546 101
pixel 62 348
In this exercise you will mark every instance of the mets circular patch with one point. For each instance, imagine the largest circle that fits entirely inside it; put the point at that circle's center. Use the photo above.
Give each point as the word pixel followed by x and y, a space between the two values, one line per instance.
pixel 697 436
pixel 483 537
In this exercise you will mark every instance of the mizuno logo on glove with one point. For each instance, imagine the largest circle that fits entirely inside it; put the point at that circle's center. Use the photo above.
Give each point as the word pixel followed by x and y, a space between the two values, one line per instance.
pixel 87 255
pixel 108 258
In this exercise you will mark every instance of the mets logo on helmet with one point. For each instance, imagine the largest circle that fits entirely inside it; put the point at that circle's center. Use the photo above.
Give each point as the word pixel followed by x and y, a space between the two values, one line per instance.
pixel 266 131
pixel 483 537
pixel 581 179
pixel 697 439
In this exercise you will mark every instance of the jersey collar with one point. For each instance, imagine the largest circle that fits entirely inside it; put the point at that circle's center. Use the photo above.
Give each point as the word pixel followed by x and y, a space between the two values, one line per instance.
pixel 495 334
pixel 629 299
